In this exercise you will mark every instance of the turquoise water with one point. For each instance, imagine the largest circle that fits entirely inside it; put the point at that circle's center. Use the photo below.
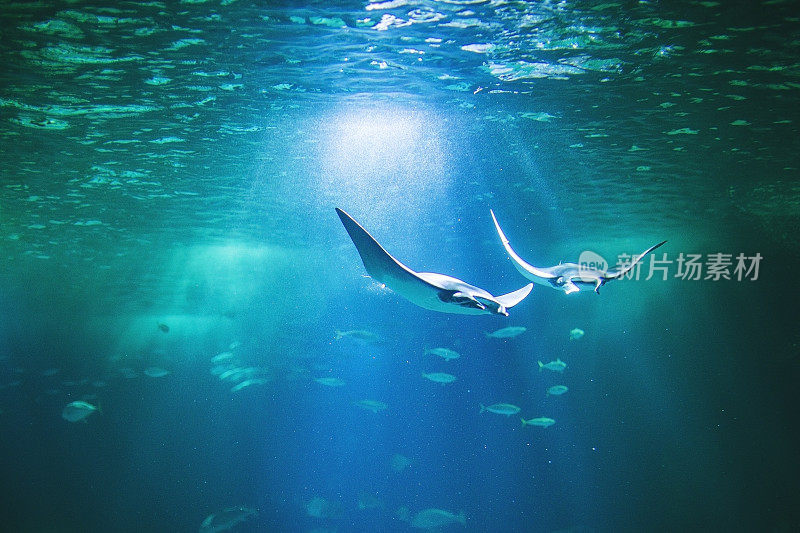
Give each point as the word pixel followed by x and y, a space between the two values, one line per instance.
pixel 171 255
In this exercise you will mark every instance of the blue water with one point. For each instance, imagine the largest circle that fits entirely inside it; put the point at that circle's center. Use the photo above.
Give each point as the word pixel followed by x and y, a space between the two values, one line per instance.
pixel 167 191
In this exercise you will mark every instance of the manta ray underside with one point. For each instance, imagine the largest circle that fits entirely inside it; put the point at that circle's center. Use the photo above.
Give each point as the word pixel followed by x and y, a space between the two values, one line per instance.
pixel 436 292
pixel 567 277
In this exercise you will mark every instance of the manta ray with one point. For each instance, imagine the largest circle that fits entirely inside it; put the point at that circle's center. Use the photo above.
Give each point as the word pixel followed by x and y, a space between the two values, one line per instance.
pixel 436 292
pixel 568 277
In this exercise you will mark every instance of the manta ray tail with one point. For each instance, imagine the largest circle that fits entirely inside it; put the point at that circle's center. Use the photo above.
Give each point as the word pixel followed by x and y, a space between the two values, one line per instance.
pixel 513 298
pixel 615 273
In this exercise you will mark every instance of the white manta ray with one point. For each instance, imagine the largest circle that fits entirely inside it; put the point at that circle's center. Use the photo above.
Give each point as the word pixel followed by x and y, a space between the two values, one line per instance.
pixel 568 277
pixel 436 292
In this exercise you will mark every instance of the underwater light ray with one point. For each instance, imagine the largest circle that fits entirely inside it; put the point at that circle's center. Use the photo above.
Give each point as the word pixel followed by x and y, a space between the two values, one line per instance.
pixel 383 158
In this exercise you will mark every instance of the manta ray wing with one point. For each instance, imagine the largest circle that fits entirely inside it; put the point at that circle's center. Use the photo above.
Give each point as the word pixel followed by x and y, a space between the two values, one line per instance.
pixel 529 271
pixel 380 264
pixel 437 292
pixel 615 273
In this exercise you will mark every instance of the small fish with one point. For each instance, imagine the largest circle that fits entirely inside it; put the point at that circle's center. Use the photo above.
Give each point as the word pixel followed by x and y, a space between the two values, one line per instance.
pixel 439 377
pixel 226 519
pixel 319 507
pixel 556 366
pixel 222 356
pixel 372 405
pixel 247 383
pixel 576 334
pixel 330 382
pixel 541 422
pixel 367 501
pixel 507 333
pixel 163 327
pixel 77 411
pixel 237 373
pixel 155 372
pixel 557 390
pixel 501 409
pixel 231 373
pixel 399 462
pixel 217 370
pixel 445 353
pixel 357 334
pixel 437 518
